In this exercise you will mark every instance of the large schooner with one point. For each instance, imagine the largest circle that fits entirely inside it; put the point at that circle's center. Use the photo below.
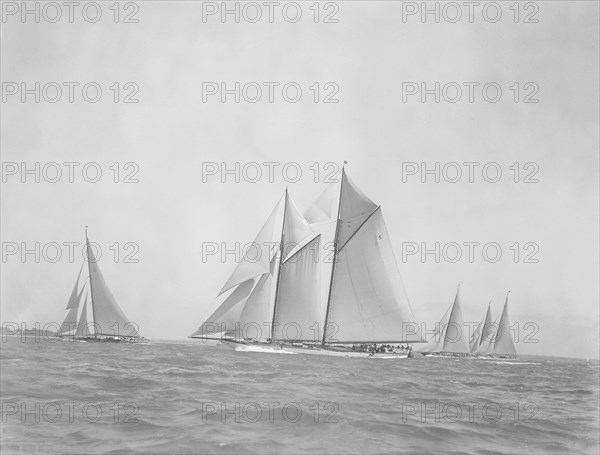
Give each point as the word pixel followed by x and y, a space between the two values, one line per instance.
pixel 325 282
pixel 100 317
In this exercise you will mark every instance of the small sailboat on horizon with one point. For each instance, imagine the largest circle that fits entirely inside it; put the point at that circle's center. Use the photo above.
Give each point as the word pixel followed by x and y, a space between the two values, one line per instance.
pixel 294 298
pixel 100 318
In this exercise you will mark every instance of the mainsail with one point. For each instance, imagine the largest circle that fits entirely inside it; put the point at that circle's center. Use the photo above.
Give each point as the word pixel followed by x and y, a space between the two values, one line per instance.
pixel 109 319
pixel 504 345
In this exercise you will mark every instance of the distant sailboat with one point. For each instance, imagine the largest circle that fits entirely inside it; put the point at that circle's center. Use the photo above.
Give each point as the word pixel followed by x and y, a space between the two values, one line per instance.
pixel 499 341
pixel 449 338
pixel 504 344
pixel 107 321
pixel 295 297
pixel 484 331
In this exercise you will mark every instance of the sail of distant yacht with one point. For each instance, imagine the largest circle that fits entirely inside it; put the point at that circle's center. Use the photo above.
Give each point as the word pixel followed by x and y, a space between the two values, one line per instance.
pixel 449 337
pixel 483 332
pixel 105 321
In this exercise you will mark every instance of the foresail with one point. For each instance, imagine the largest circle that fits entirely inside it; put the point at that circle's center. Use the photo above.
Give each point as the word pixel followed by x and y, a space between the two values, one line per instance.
pixel 83 329
pixel 70 322
pixel 300 305
pixel 368 299
pixel 503 341
pixel 257 315
pixel 436 342
pixel 75 294
pixel 109 319
pixel 476 338
pixel 258 257
pixel 484 330
pixel 225 318
pixel 487 340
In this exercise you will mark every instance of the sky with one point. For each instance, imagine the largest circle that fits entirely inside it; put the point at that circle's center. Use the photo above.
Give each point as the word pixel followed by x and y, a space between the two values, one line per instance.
pixel 371 58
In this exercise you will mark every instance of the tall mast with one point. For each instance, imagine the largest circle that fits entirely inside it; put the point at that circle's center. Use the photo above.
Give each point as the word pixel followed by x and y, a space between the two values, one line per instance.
pixel 285 204
pixel 335 252
pixel 88 250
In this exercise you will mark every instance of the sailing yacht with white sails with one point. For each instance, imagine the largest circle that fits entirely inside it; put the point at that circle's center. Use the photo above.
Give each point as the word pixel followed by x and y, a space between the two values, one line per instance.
pixel 449 338
pixel 302 296
pixel 500 342
pixel 100 317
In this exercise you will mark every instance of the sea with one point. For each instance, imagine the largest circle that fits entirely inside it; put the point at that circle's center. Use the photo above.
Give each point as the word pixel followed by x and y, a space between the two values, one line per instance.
pixel 192 397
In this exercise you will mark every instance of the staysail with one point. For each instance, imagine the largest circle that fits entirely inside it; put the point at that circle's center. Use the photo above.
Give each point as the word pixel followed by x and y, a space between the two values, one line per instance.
pixel 483 331
pixel 300 309
pixel 83 330
pixel 70 322
pixel 436 342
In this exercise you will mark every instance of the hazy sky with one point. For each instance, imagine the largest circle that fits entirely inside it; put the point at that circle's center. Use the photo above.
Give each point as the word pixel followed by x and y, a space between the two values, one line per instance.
pixel 368 54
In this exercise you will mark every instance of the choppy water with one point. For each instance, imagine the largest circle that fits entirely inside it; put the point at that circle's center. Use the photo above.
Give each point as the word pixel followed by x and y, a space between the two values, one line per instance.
pixel 175 396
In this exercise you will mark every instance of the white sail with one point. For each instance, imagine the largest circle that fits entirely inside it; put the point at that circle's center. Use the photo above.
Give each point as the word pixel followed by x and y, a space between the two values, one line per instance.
pixel 75 294
pixel 257 315
pixel 83 329
pixel 225 319
pixel 325 207
pixel 109 319
pixel 368 301
pixel 436 342
pixel 249 309
pixel 355 209
pixel 482 331
pixel 70 322
pixel 300 304
pixel 258 257
pixel 503 341
pixel 322 216
pixel 487 341
pixel 455 337
pixel 296 231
